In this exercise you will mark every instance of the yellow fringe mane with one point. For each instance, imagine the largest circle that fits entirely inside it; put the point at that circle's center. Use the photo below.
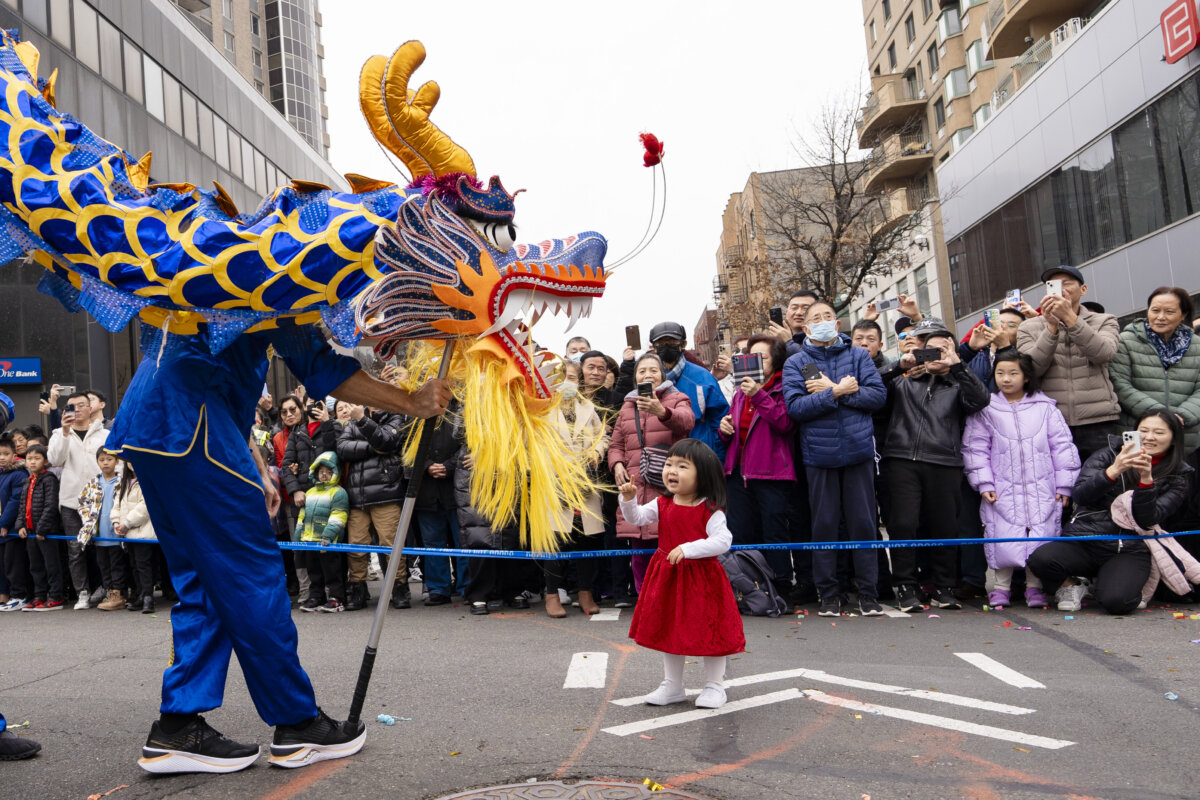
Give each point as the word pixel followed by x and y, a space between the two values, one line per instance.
pixel 525 471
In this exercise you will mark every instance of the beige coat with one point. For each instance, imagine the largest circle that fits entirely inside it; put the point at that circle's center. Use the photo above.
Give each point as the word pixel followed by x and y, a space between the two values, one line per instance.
pixel 1073 364
pixel 588 437
pixel 131 512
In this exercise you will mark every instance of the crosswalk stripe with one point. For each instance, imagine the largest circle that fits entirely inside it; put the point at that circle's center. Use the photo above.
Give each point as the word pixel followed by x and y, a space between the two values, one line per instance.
pixel 587 671
pixel 703 713
pixel 1000 672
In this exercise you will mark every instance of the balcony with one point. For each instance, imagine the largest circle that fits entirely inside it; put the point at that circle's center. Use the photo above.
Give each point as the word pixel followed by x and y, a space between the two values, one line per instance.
pixel 733 256
pixel 900 155
pixel 893 102
pixel 1017 21
pixel 898 205
pixel 1036 57
pixel 720 285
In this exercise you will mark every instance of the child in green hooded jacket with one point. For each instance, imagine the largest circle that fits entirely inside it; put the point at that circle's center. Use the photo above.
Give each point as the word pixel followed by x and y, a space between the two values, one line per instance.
pixel 323 520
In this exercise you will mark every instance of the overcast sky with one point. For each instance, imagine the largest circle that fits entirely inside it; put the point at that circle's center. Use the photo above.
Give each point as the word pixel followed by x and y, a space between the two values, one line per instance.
pixel 551 96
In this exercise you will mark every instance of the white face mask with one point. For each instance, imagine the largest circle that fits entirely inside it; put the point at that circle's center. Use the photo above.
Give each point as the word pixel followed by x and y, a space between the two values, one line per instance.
pixel 569 389
pixel 823 331
pixel 576 357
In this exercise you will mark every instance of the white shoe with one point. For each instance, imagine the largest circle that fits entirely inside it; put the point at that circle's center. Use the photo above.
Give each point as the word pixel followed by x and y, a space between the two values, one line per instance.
pixel 713 696
pixel 563 597
pixel 82 604
pixel 666 694
pixel 15 604
pixel 1070 598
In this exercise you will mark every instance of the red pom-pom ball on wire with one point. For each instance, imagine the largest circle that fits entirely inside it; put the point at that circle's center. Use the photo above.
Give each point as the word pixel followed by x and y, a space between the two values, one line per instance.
pixel 654 149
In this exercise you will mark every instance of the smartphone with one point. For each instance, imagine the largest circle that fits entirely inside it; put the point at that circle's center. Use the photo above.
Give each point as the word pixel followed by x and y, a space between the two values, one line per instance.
pixel 44 396
pixel 924 355
pixel 633 337
pixel 993 318
pixel 65 391
pixel 1054 288
pixel 645 389
pixel 810 371
pixel 1013 298
pixel 776 314
pixel 749 365
pixel 1132 436
pixel 887 305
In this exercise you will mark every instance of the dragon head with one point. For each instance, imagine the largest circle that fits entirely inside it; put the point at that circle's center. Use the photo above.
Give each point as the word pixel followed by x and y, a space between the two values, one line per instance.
pixel 455 270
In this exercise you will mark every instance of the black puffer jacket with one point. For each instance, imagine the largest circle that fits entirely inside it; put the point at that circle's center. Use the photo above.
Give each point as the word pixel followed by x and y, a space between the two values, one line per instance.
pixel 302 450
pixel 927 414
pixel 437 494
pixel 369 452
pixel 47 521
pixel 1094 494
pixel 475 532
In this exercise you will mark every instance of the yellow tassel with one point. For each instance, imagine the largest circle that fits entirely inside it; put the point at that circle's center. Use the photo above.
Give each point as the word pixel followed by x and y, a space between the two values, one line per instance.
pixel 524 472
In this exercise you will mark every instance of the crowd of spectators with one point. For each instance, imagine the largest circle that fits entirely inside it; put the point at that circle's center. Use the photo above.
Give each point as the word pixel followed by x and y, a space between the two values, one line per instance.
pixel 1045 422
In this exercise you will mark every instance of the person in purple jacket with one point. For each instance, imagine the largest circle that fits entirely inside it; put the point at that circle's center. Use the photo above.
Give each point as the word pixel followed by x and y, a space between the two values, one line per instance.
pixel 760 474
pixel 1019 455
pixel 837 437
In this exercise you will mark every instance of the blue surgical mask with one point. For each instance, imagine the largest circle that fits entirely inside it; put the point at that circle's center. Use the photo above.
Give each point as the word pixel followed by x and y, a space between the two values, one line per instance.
pixel 824 331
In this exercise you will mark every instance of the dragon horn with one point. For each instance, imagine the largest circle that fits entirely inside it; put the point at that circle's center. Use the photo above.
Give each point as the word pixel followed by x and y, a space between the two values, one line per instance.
pixel 408 116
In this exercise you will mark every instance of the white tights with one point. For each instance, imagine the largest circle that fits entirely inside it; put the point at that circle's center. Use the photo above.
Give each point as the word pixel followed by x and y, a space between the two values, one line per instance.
pixel 714 669
pixel 1003 579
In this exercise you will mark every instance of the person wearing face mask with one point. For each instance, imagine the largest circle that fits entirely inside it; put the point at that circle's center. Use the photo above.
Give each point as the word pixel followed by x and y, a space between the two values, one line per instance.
pixel 576 347
pixel 708 401
pixel 583 431
pixel 837 438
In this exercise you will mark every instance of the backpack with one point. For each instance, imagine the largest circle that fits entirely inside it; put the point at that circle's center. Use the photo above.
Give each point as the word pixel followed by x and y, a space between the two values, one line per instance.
pixel 747 571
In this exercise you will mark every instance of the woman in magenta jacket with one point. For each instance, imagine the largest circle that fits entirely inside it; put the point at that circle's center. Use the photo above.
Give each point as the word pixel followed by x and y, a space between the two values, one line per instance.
pixel 666 417
pixel 758 463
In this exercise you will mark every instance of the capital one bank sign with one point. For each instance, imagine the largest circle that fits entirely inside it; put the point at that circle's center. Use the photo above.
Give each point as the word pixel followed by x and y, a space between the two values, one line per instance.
pixel 1180 29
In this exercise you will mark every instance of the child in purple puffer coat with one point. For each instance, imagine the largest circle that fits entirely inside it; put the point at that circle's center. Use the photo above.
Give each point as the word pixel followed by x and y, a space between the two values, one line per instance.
pixel 1019 455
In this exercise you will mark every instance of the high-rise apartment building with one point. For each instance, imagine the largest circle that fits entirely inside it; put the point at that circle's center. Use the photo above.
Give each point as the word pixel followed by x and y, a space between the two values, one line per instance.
pixel 932 84
pixel 1091 157
pixel 276 46
pixel 142 76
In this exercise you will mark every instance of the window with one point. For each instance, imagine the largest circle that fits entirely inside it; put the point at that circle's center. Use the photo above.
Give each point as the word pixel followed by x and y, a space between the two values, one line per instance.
pixel 230 45
pixel 910 28
pixel 960 136
pixel 87 40
pixel 982 115
pixel 60 22
pixel 248 163
pixel 133 71
pixel 874 36
pixel 172 104
pixel 227 9
pixel 1174 119
pixel 927 7
pixel 891 51
pixel 221 141
pixel 190 118
pixel 154 88
pixel 949 24
pixel 35 13
pixel 957 83
pixel 977 57
pixel 939 113
pixel 235 154
pixel 965 4
pixel 260 173
pixel 922 290
pixel 110 53
pixel 935 62
pixel 255 25
pixel 205 118
pixel 887 10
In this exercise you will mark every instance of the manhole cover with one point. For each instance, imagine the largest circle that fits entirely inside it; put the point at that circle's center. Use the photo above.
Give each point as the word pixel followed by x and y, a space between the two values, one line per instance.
pixel 583 790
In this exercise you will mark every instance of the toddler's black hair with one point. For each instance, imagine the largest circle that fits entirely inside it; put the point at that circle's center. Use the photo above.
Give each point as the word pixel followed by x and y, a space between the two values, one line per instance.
pixel 710 473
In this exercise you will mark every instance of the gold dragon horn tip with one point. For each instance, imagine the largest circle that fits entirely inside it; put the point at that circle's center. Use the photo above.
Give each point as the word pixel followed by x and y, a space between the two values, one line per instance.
pixel 139 172
pixel 48 88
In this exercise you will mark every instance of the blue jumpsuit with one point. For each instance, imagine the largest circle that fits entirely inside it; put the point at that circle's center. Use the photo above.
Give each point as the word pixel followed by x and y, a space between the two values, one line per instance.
pixel 184 424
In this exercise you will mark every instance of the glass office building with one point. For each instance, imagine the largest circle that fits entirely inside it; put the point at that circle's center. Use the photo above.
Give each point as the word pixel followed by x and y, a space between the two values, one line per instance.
pixel 142 76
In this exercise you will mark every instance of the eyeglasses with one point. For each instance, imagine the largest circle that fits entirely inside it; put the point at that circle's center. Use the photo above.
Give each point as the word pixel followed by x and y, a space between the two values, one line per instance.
pixel 903 335
pixel 78 407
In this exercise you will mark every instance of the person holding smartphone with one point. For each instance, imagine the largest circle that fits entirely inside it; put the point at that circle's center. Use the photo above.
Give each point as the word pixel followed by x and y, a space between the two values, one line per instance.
pixel 833 388
pixel 1071 348
pixel 929 400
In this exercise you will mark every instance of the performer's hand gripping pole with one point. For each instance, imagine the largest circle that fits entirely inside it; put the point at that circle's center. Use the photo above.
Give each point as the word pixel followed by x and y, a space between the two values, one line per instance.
pixel 389 580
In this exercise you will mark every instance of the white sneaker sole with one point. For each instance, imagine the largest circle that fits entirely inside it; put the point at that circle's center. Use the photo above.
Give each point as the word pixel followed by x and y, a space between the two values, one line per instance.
pixel 710 702
pixel 670 700
pixel 169 762
pixel 301 755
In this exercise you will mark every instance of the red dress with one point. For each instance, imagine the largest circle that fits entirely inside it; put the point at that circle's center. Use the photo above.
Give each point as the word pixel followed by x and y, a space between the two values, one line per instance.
pixel 687 609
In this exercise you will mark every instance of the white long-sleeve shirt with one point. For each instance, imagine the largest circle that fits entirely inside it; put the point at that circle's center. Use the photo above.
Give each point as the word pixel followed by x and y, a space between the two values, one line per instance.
pixel 718 541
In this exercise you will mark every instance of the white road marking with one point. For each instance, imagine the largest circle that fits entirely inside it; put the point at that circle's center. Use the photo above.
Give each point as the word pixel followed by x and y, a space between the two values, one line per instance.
pixel 607 615
pixel 1000 672
pixel 824 677
pixel 703 713
pixel 889 611
pixel 587 671
pixel 941 722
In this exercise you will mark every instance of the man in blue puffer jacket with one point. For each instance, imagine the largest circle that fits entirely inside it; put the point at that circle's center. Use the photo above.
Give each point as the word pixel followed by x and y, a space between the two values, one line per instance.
pixel 837 437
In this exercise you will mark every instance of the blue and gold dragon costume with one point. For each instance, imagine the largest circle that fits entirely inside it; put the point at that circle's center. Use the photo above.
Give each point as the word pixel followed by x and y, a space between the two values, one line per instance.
pixel 213 289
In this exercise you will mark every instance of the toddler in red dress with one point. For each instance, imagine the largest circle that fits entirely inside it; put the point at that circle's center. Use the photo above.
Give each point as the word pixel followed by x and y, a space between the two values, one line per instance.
pixel 686 605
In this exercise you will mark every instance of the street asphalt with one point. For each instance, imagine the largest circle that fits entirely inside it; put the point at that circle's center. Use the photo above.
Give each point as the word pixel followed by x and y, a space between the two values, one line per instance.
pixel 939 704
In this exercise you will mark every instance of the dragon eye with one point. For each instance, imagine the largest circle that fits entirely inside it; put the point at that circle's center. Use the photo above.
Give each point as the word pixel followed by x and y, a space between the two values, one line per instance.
pixel 501 235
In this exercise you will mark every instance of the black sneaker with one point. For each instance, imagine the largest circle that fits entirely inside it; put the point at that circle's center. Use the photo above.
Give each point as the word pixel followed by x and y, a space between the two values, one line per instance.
pixel 194 748
pixel 436 600
pixel 944 598
pixel 831 607
pixel 906 599
pixel 15 748
pixel 520 601
pixel 400 597
pixel 311 604
pixel 320 739
pixel 357 596
pixel 869 607
pixel 479 608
